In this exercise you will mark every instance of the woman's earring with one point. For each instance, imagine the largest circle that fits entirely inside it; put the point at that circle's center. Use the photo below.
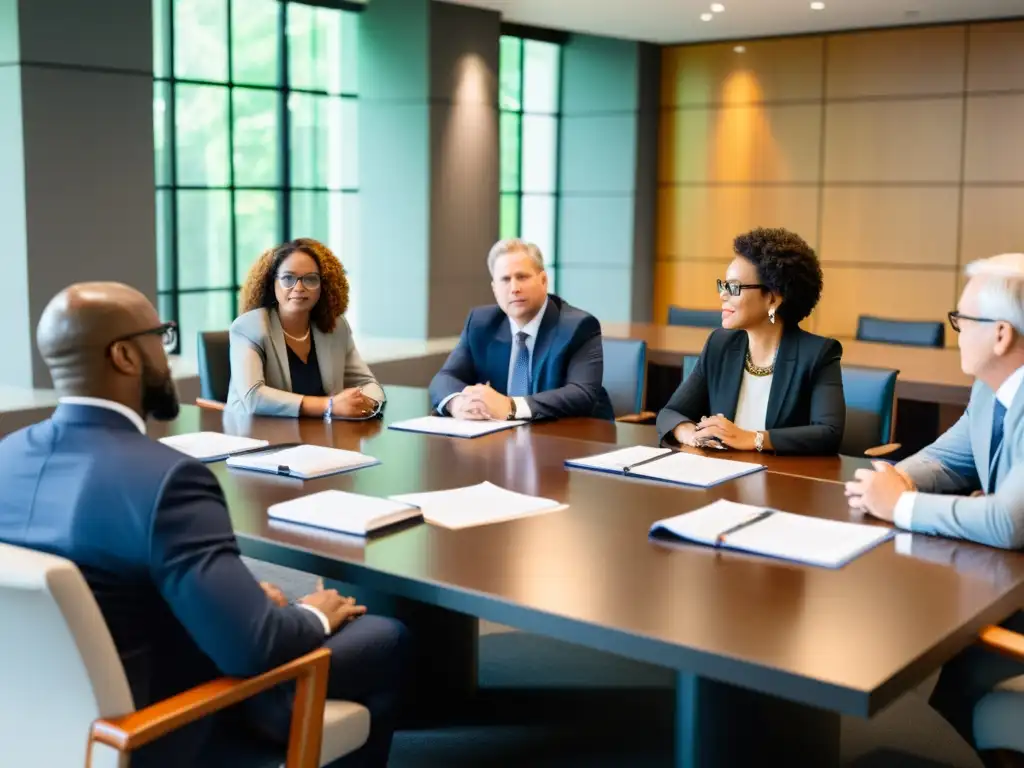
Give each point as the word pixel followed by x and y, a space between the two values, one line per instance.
pixel 771 315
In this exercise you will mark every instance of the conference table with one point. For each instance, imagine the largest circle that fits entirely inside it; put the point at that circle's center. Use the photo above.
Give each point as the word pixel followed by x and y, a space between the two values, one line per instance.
pixel 767 654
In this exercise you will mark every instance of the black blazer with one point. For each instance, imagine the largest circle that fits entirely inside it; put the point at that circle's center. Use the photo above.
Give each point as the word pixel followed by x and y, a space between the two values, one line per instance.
pixel 806 409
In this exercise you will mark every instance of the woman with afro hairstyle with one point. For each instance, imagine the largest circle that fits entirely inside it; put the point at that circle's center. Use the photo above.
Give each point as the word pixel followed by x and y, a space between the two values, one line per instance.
pixel 292 352
pixel 761 382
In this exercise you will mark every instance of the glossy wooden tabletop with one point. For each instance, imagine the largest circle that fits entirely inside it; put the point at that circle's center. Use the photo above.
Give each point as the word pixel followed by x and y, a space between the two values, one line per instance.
pixel 931 375
pixel 849 640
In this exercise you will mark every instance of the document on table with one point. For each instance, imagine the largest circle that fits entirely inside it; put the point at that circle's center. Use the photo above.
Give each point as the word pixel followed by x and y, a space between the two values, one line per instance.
pixel 441 425
pixel 802 539
pixel 344 512
pixel 211 446
pixel 666 465
pixel 305 461
pixel 473 505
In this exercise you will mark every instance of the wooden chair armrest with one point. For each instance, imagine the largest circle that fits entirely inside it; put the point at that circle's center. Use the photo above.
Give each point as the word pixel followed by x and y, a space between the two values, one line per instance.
pixel 1003 641
pixel 882 450
pixel 214 405
pixel 134 730
pixel 638 418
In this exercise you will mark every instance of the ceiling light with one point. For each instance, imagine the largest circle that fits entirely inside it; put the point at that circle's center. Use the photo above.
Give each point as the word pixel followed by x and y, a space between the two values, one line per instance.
pixel 817 6
pixel 706 17
pixel 740 49
pixel 717 7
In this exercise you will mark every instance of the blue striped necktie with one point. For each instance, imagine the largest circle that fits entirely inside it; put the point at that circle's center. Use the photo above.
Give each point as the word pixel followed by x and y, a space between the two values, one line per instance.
pixel 520 383
pixel 998 416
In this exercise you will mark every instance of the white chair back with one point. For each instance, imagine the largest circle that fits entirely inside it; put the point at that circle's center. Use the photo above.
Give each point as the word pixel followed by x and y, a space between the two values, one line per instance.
pixel 58 665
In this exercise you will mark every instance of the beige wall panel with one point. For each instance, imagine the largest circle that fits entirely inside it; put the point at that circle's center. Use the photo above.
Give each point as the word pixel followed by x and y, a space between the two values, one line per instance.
pixel 741 144
pixel 690 285
pixel 701 222
pixel 993 222
pixel 890 225
pixel 904 62
pixel 904 294
pixel 893 141
pixel 769 70
pixel 996 58
pixel 995 138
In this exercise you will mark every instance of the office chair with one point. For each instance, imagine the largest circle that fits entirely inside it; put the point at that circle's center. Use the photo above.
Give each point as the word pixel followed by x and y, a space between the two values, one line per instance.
pixel 625 377
pixel 214 350
pixel 695 318
pixel 998 716
pixel 66 699
pixel 915 333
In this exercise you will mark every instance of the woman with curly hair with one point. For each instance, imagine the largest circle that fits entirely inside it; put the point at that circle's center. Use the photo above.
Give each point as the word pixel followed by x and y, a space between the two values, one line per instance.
pixel 761 382
pixel 292 352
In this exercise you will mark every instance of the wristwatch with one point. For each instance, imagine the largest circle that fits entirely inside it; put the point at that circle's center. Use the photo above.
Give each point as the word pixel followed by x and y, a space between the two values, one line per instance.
pixel 511 409
pixel 759 441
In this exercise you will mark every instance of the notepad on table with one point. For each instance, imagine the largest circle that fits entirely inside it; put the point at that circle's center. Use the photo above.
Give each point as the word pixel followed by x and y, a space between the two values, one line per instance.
pixel 441 425
pixel 481 504
pixel 211 446
pixel 783 535
pixel 304 461
pixel 351 513
pixel 666 465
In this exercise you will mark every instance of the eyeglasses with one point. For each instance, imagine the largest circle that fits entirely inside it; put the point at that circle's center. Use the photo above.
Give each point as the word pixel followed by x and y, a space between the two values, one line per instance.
pixel 733 287
pixel 168 333
pixel 955 317
pixel 311 280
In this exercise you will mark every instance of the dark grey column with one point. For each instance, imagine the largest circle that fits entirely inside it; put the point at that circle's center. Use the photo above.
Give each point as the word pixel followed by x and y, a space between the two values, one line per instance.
pixel 76 195
pixel 607 172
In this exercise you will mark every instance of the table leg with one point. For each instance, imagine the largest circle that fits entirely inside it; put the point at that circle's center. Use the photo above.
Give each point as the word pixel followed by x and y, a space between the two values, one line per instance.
pixel 719 726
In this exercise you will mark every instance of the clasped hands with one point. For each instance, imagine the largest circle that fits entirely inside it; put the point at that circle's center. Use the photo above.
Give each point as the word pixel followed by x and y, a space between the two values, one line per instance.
pixel 353 403
pixel 728 434
pixel 876 491
pixel 338 610
pixel 480 402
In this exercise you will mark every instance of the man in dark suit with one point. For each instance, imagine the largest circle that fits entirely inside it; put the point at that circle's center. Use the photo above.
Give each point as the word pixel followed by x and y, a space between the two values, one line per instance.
pixel 149 529
pixel 532 356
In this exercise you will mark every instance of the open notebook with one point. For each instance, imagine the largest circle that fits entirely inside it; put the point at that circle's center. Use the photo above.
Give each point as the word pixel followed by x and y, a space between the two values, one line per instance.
pixel 480 504
pixel 440 425
pixel 666 465
pixel 343 512
pixel 811 540
pixel 211 446
pixel 304 461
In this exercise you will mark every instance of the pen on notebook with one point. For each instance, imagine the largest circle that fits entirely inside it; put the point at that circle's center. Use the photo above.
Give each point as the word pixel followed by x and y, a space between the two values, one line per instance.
pixel 647 461
pixel 748 522
pixel 265 448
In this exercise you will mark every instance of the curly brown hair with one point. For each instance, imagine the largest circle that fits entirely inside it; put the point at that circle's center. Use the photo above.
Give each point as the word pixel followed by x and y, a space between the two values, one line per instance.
pixel 258 289
pixel 786 265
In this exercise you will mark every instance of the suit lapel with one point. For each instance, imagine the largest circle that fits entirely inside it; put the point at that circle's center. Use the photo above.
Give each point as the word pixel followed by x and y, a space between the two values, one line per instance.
pixel 732 375
pixel 499 351
pixel 782 378
pixel 280 349
pixel 325 358
pixel 541 348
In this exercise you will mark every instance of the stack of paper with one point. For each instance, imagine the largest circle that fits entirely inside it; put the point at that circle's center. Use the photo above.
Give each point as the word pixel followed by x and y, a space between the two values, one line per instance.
pixel 440 425
pixel 211 446
pixel 343 512
pixel 667 465
pixel 476 505
pixel 304 462
pixel 811 540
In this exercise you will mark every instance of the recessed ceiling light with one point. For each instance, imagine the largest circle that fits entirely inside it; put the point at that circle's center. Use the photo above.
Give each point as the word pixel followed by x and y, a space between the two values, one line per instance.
pixel 706 17
pixel 740 49
pixel 817 6
pixel 717 7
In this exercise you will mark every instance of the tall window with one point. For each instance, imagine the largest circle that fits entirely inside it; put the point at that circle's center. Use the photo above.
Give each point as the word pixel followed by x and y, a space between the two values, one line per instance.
pixel 255 121
pixel 529 99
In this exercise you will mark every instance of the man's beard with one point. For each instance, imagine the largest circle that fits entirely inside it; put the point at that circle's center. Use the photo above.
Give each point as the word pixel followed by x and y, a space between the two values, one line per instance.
pixel 159 396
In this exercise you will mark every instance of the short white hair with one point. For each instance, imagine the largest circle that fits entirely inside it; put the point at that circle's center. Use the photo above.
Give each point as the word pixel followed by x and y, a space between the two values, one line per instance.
pixel 505 247
pixel 1001 296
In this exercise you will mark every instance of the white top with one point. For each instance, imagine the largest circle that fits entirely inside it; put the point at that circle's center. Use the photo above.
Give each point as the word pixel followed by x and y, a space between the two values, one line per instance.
pixel 752 405
pixel 903 513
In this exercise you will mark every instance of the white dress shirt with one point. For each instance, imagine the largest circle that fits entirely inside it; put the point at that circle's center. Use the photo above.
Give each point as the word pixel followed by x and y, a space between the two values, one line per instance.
pixel 136 420
pixel 752 404
pixel 903 513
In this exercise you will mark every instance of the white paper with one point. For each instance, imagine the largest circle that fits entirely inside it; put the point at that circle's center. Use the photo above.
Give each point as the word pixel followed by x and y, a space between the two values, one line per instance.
pixel 305 461
pixel 807 539
pixel 617 460
pixel 211 446
pixel 441 425
pixel 342 512
pixel 691 469
pixel 476 505
pixel 704 525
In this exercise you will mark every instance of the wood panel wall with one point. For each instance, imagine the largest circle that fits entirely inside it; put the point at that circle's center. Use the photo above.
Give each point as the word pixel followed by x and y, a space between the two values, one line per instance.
pixel 897 154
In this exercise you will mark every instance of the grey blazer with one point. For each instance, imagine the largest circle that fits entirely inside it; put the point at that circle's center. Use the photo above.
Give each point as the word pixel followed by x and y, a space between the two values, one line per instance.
pixel 958 463
pixel 261 382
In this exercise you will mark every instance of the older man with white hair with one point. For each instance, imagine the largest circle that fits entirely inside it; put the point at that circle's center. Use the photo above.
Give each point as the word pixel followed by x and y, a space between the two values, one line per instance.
pixel 969 484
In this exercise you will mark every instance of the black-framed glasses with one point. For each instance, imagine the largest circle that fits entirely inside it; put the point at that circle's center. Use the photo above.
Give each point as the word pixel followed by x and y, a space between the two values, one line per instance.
pixel 168 333
pixel 311 280
pixel 734 287
pixel 955 317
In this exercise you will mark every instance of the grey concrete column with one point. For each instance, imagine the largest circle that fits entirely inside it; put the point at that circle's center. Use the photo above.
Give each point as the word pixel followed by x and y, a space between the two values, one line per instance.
pixel 607 168
pixel 76 146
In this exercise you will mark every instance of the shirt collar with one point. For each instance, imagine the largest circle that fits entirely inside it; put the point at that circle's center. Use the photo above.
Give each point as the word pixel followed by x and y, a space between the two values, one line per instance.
pixel 1008 389
pixel 110 405
pixel 532 327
